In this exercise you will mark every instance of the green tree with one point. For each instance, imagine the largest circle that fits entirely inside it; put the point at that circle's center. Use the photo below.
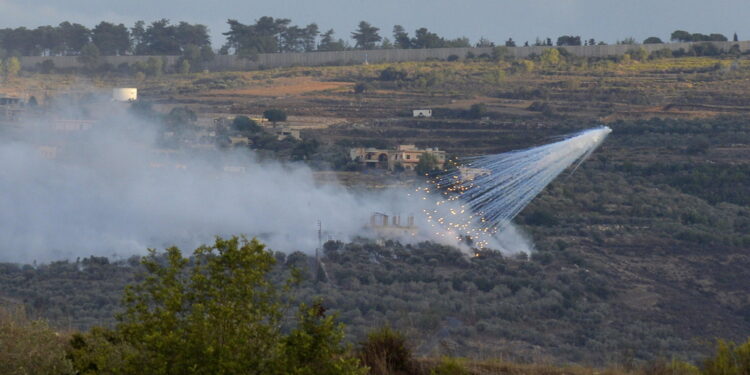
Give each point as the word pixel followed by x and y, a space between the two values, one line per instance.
pixel 427 163
pixel 89 56
pixel 366 36
pixel 681 36
pixel 550 57
pixel 245 124
pixel 314 347
pixel 111 39
pixel 328 43
pixel 652 40
pixel 401 37
pixel 274 115
pixel 154 66
pixel 219 312
pixel 219 316
pixel 184 66
pixel 11 67
pixel 477 111
pixel 730 359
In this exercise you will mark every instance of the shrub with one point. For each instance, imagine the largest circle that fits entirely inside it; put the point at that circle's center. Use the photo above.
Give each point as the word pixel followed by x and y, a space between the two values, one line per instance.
pixel 730 359
pixel 449 366
pixel 275 115
pixel 361 87
pixel 392 74
pixel 386 352
pixel 30 346
pixel 245 124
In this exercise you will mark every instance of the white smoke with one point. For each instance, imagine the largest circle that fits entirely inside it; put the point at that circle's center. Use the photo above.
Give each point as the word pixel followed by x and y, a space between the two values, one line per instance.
pixel 110 191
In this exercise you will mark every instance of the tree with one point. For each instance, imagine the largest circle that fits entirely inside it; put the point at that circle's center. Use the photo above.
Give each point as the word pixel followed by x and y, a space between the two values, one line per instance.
pixel 181 116
pixel 652 40
pixel 427 163
pixel 11 67
pixel 245 124
pixel 274 115
pixel 328 43
pixel 401 37
pixel 111 39
pixel 219 312
pixel 569 40
pixel 249 40
pixel 484 43
pixel 183 66
pixel 423 38
pixel 89 56
pixel 138 36
pixel 477 111
pixel 735 38
pixel 550 57
pixel 314 347
pixel 510 43
pixel 366 36
pixel 681 36
pixel 74 37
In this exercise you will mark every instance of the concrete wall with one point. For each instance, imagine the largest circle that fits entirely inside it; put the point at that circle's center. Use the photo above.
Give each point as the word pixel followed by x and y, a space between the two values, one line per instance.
pixel 275 60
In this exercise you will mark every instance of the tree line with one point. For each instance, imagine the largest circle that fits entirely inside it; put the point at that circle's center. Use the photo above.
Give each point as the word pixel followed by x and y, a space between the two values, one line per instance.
pixel 265 35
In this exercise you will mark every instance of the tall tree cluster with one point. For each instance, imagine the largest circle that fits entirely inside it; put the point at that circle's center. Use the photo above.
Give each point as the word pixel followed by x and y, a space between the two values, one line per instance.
pixel 423 38
pixel 73 39
pixel 269 35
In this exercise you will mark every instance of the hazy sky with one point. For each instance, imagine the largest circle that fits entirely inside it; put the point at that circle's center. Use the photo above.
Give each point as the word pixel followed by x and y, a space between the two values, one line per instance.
pixel 607 20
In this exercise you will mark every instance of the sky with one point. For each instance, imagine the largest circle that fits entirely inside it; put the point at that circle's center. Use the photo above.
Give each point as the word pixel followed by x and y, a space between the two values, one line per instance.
pixel 497 20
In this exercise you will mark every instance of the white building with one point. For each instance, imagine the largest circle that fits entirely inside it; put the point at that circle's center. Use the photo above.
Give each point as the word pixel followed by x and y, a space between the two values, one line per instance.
pixel 422 113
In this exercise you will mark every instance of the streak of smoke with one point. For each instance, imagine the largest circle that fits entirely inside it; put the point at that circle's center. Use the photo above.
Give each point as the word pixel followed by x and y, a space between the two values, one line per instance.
pixel 482 197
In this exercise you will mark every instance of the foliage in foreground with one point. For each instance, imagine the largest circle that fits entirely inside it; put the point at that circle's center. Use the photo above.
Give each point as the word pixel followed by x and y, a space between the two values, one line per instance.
pixel 216 312
pixel 29 346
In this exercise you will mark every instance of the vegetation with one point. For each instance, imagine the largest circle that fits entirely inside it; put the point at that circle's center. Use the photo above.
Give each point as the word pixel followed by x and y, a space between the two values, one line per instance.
pixel 217 312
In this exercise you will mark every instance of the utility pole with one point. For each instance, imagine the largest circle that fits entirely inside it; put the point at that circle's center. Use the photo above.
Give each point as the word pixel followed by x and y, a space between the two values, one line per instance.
pixel 317 249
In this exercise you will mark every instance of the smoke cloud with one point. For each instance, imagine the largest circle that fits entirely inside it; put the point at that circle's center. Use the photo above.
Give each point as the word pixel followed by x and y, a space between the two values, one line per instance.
pixel 109 190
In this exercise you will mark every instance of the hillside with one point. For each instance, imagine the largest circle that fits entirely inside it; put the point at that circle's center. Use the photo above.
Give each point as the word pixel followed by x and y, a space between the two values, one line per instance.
pixel 642 253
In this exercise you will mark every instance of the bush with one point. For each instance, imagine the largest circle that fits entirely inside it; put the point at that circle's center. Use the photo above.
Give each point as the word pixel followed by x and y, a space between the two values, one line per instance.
pixel 392 74
pixel 361 87
pixel 477 111
pixel 386 352
pixel 275 115
pixel 449 366
pixel 30 346
pixel 245 124
pixel 730 359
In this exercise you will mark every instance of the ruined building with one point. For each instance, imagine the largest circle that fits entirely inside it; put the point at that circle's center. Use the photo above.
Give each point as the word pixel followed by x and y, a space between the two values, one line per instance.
pixel 406 156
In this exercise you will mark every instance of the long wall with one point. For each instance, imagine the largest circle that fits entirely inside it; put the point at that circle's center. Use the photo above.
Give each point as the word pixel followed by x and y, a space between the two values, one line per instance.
pixel 275 60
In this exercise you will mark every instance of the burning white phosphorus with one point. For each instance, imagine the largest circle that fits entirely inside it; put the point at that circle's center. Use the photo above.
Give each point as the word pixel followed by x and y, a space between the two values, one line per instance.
pixel 481 197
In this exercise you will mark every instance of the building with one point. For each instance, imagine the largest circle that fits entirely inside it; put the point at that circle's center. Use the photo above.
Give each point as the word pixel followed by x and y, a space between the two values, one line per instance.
pixel 125 94
pixel 422 113
pixel 391 226
pixel 282 132
pixel 10 108
pixel 405 156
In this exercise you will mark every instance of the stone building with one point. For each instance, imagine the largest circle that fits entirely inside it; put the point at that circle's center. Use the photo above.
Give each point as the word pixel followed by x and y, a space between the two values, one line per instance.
pixel 406 156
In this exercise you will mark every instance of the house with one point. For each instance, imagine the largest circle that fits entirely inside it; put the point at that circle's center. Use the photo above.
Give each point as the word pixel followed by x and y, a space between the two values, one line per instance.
pixel 405 156
pixel 282 132
pixel 422 113
pixel 10 108
pixel 391 226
